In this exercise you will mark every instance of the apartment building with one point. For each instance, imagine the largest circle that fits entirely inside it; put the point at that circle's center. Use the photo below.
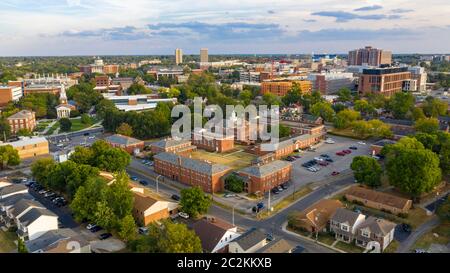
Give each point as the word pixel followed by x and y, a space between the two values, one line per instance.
pixel 169 145
pixel 10 94
pixel 262 178
pixel 370 56
pixel 282 87
pixel 29 147
pixel 385 81
pixel 213 142
pixel 22 120
pixel 191 172
pixel 129 144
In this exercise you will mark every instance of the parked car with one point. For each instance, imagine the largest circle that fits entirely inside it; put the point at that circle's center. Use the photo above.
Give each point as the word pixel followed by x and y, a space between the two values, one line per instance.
pixel 335 173
pixel 183 215
pixel 227 195
pixel 297 156
pixel 325 156
pixel 43 191
pixel 347 151
pixel 143 182
pixel 143 230
pixel 260 205
pixel 29 184
pixel 323 163
pixel 269 237
pixel 275 191
pixel 361 143
pixel 353 147
pixel 91 226
pixel 96 229
pixel 49 194
pixel 298 249
pixel 329 160
pixel 329 141
pixel 104 236
pixel 420 250
pixel 175 197
pixel 284 186
pixel 255 209
pixel 134 178
pixel 376 157
pixel 340 154
pixel 406 228
pixel 280 188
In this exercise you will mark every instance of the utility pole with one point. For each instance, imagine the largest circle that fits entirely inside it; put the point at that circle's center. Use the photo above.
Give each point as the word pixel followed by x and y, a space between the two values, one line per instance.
pixel 233 215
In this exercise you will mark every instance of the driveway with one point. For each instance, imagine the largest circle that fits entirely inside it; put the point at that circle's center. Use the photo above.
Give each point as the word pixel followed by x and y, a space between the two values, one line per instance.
pixel 406 245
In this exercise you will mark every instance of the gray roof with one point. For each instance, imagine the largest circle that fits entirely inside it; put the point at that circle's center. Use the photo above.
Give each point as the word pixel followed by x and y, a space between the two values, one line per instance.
pixel 122 140
pixel 384 142
pixel 13 199
pixel 12 189
pixel 192 164
pixel 263 170
pixel 280 245
pixel 377 226
pixel 22 114
pixel 24 204
pixel 166 143
pixel 289 141
pixel 250 238
pixel 49 238
pixel 34 214
pixel 345 216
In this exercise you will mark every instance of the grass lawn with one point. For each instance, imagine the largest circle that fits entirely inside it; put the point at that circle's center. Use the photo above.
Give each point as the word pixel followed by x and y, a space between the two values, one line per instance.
pixel 443 231
pixel 42 125
pixel 392 247
pixel 350 248
pixel 77 125
pixel 286 201
pixel 53 128
pixel 233 159
pixel 7 241
pixel 326 238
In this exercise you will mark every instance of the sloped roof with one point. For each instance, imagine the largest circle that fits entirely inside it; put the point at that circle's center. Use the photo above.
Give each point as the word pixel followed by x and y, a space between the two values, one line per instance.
pixel 143 202
pixel 122 140
pixel 266 169
pixel 278 246
pixel 166 143
pixel 378 197
pixel 13 199
pixel 34 214
pixel 211 231
pixel 192 164
pixel 377 225
pixel 319 213
pixel 24 204
pixel 345 216
pixel 250 238
pixel 12 189
pixel 21 114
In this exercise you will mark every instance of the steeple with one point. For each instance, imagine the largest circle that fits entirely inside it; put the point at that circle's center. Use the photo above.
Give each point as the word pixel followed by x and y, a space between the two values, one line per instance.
pixel 62 95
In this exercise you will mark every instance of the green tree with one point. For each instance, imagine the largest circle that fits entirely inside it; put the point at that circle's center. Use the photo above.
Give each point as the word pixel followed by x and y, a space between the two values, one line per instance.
pixel 427 125
pixel 361 128
pixel 168 238
pixel 433 107
pixel 194 201
pixel 86 119
pixel 24 132
pixel 137 88
pixel 245 96
pixel 65 124
pixel 120 197
pixel 411 168
pixel 5 129
pixel 127 228
pixel 82 155
pixel 21 248
pixel 40 169
pixel 234 183
pixel 84 204
pixel 344 94
pixel 323 110
pixel 8 156
pixel 365 107
pixel 293 96
pixel 379 129
pixel 377 100
pixel 345 118
pixel 271 99
pixel 367 171
pixel 400 104
pixel 125 129
pixel 417 113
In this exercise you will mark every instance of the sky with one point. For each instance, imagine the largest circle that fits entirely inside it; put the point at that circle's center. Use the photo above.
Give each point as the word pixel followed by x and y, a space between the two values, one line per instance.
pixel 115 27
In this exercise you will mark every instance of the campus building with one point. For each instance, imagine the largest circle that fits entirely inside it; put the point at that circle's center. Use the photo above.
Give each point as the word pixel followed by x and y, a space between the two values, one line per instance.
pixel 178 56
pixel 384 81
pixel 169 145
pixel 369 56
pixel 136 102
pixel 262 178
pixel 10 94
pixel 281 87
pixel 190 171
pixel 22 120
pixel 331 83
pixel 129 144
pixel 99 67
pixel 29 147
pixel 213 142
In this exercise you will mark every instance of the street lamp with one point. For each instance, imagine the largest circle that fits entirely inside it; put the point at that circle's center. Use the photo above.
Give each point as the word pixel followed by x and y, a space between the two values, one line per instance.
pixel 232 219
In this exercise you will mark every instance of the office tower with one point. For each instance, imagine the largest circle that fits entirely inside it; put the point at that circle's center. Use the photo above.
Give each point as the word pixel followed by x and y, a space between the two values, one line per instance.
pixel 178 56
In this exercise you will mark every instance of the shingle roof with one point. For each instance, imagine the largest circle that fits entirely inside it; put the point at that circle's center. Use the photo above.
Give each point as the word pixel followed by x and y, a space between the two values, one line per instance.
pixel 378 197
pixel 263 170
pixel 143 202
pixel 278 246
pixel 192 164
pixel 210 232
pixel 122 140
pixel 345 216
pixel 384 142
pixel 12 189
pixel 319 213
pixel 250 238
pixel 34 214
pixel 166 143
pixel 13 199
pixel 21 114
pixel 24 204
pixel 377 226
pixel 55 240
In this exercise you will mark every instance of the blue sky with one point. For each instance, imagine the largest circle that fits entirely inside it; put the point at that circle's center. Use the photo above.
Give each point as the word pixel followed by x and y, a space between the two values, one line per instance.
pixel 81 27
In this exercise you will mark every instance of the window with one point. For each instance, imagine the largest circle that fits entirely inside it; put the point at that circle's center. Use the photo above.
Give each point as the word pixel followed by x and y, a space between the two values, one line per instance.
pixel 344 227
pixel 365 233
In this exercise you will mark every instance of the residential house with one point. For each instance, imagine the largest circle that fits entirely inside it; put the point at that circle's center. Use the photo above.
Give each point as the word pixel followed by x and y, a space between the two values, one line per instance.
pixel 7 202
pixel 378 200
pixel 249 242
pixel 374 229
pixel 59 241
pixel 215 234
pixel 279 245
pixel 147 209
pixel 344 224
pixel 19 209
pixel 316 217
pixel 35 223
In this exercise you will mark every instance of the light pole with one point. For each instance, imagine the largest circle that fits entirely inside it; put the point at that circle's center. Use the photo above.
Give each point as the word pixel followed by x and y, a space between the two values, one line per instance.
pixel 232 214
pixel 157 185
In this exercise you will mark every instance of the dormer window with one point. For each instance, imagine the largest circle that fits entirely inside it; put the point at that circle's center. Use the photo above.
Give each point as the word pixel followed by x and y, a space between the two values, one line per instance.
pixel 345 227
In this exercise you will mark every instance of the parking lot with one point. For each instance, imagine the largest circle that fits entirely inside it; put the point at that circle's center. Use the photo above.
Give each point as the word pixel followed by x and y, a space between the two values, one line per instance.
pixel 69 143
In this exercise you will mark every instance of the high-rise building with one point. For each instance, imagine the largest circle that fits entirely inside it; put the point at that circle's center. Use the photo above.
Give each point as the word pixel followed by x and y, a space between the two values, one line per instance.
pixel 370 56
pixel 178 56
pixel 203 55
pixel 385 81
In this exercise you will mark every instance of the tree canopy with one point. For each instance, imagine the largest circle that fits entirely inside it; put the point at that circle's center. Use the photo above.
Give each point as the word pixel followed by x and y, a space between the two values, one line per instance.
pixel 367 171
pixel 194 201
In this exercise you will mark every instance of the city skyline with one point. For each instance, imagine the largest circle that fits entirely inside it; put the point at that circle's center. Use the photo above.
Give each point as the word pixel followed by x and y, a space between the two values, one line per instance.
pixel 112 27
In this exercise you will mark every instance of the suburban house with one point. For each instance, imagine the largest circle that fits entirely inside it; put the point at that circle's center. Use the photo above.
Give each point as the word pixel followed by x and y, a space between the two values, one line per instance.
pixel 379 200
pixel 190 171
pixel 147 209
pixel 315 218
pixel 215 234
pixel 374 229
pixel 249 242
pixel 344 224
pixel 19 209
pixel 7 202
pixel 277 246
pixel 29 147
pixel 171 145
pixel 263 178
pixel 59 241
pixel 129 144
pixel 35 222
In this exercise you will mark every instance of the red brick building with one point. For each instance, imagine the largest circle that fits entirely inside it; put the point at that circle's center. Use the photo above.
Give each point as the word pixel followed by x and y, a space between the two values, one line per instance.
pixel 384 81
pixel 129 144
pixel 190 171
pixel 22 120
pixel 263 178
pixel 173 146
pixel 212 142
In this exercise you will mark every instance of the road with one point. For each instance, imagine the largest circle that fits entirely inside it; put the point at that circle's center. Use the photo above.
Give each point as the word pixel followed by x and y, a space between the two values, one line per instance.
pixel 269 225
pixel 406 245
